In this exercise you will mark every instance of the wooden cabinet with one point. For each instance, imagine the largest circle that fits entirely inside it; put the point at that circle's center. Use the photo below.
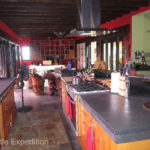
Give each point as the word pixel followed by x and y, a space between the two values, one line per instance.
pixel 7 113
pixel 64 97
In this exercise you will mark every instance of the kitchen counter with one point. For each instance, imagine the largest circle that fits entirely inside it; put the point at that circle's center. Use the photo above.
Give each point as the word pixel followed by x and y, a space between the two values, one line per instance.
pixel 4 85
pixel 123 120
pixel 67 80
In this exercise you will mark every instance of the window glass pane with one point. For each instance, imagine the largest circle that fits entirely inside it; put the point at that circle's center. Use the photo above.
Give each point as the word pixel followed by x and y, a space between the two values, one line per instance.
pixel 104 52
pixel 120 53
pixel 114 56
pixel 94 52
pixel 109 55
pixel 25 53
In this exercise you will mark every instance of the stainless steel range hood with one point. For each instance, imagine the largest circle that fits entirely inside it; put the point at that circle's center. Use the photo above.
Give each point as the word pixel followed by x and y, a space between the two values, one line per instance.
pixel 89 15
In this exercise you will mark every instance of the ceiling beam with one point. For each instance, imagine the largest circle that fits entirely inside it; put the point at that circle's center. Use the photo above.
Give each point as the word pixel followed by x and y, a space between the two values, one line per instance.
pixel 43 1
pixel 30 9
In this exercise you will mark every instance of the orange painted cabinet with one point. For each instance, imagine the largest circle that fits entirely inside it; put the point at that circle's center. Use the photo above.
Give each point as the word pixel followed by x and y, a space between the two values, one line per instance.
pixel 102 141
pixel 64 96
pixel 7 113
pixel 82 125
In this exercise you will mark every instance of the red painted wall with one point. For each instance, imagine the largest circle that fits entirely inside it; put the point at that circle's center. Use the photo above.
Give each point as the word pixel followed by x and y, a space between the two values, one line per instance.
pixel 125 20
pixel 9 31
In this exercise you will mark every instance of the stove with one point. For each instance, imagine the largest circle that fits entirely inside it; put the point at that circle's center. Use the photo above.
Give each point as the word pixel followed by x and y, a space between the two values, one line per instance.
pixel 88 86
pixel 84 88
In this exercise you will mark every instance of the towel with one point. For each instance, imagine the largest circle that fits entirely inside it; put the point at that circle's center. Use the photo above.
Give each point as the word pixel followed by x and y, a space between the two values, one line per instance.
pixel 71 110
pixel 90 143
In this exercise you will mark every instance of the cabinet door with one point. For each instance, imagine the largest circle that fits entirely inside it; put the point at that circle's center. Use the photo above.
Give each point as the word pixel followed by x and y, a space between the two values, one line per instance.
pixel 7 124
pixel 86 122
pixel 79 117
pixel 102 140
pixel 13 113
pixel 6 106
pixel 64 95
pixel 11 100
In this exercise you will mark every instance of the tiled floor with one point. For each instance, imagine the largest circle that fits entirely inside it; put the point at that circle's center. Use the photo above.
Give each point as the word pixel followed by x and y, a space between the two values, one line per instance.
pixel 42 128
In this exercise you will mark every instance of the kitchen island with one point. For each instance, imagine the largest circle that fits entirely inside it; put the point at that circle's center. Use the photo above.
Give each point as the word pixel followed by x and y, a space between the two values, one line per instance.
pixel 7 107
pixel 118 124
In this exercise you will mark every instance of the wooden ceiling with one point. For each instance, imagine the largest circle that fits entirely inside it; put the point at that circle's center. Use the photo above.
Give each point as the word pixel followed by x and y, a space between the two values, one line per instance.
pixel 41 18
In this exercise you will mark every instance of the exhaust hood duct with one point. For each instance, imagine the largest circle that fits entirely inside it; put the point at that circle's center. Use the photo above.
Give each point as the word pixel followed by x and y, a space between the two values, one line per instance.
pixel 89 15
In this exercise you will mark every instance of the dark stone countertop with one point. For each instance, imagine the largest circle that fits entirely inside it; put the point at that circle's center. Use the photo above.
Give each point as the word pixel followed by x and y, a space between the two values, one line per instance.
pixel 123 120
pixel 5 84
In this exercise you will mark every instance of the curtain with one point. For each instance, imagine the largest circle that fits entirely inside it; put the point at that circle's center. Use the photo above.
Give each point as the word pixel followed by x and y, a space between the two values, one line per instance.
pixel 12 60
pixel 9 59
pixel 18 58
pixel 13 51
pixel 4 73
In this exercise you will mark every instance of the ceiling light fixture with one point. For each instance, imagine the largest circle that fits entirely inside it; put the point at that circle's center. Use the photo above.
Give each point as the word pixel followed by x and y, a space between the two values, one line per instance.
pixel 60 34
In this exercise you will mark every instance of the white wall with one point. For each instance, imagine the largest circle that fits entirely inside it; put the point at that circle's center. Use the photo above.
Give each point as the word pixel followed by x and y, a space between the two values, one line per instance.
pixel 140 34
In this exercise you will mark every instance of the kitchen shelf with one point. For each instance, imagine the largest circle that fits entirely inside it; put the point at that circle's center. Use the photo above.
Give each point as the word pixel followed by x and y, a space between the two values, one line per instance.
pixel 65 48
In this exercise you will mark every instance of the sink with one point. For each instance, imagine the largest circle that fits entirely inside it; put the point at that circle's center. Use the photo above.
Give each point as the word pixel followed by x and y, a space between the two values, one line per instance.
pixel 147 106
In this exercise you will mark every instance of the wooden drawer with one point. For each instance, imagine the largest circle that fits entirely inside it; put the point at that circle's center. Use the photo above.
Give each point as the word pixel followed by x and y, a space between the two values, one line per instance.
pixel 86 116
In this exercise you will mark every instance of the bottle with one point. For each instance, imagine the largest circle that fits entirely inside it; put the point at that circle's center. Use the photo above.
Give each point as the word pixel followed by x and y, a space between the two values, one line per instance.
pixel 69 66
pixel 122 69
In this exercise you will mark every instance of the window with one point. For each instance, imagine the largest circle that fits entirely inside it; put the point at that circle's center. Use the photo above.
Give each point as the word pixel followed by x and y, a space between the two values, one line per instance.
pixel 114 56
pixel 120 53
pixel 93 52
pixel 25 53
pixel 109 56
pixel 104 53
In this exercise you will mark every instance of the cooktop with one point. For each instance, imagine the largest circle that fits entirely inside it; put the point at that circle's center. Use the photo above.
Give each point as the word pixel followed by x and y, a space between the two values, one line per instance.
pixel 88 86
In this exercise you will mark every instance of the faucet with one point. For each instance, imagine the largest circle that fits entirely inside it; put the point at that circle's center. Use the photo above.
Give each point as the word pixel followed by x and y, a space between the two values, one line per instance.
pixel 127 76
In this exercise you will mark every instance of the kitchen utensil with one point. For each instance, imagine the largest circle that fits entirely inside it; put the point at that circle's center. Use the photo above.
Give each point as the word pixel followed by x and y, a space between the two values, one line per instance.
pixel 76 80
